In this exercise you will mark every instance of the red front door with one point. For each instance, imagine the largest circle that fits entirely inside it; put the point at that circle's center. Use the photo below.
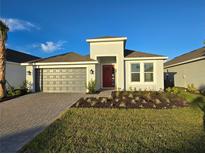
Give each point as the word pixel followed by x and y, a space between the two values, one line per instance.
pixel 108 76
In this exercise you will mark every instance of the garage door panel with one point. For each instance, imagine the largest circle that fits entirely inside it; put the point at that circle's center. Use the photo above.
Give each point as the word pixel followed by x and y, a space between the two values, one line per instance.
pixel 63 80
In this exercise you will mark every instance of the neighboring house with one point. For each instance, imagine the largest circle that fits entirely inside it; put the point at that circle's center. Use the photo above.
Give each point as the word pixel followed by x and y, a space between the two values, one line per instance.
pixel 15 72
pixel 186 69
pixel 109 64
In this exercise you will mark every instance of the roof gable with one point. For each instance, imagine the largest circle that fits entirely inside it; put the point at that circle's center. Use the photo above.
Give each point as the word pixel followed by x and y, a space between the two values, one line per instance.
pixel 187 56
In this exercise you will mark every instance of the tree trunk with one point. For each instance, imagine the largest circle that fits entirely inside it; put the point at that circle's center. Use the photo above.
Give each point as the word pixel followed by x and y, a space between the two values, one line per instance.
pixel 2 69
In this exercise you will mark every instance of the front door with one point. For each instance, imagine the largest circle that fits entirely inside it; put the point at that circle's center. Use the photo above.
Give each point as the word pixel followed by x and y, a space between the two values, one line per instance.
pixel 108 76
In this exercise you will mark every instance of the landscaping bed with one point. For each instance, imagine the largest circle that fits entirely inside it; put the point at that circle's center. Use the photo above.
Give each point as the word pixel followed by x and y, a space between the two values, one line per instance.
pixel 16 93
pixel 134 99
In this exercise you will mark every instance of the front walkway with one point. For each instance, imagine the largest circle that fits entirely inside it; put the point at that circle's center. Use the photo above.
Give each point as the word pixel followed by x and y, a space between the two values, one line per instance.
pixel 23 118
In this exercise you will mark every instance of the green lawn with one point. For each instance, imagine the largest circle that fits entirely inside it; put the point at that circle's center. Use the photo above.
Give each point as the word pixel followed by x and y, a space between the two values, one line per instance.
pixel 121 130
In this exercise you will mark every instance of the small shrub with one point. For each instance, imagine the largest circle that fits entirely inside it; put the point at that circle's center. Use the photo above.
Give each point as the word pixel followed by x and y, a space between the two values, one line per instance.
pixel 169 90
pixel 117 93
pixel 191 88
pixel 91 86
pixel 147 95
pixel 25 87
pixel 173 90
pixel 18 92
pixel 11 91
pixel 176 90
pixel 130 89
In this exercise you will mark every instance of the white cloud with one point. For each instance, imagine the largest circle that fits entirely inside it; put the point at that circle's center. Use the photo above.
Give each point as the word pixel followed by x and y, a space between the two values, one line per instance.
pixel 18 25
pixel 51 46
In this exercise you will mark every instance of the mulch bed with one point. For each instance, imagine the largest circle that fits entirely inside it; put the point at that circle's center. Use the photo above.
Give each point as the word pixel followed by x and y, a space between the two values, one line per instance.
pixel 134 99
pixel 10 97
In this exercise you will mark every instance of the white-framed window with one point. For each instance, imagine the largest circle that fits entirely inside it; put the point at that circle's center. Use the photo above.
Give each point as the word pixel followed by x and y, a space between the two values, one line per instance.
pixel 135 72
pixel 148 72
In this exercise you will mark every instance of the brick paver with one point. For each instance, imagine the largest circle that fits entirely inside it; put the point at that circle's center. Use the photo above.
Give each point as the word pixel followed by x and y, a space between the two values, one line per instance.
pixel 24 117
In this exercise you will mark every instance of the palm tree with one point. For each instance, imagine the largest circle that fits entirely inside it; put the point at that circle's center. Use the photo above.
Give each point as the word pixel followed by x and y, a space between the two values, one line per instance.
pixel 3 37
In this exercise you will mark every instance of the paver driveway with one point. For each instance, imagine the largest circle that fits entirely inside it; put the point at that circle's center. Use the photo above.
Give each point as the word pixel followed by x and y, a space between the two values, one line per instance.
pixel 24 117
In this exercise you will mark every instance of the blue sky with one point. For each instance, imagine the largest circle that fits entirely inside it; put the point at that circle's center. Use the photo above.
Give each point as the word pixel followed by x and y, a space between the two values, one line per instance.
pixel 50 27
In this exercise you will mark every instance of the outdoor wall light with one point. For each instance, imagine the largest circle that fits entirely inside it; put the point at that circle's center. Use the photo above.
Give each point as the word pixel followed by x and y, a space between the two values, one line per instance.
pixel 29 72
pixel 91 71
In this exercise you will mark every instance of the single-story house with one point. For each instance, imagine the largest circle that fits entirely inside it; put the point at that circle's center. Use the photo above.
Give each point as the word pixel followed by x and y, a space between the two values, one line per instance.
pixel 15 72
pixel 109 64
pixel 186 69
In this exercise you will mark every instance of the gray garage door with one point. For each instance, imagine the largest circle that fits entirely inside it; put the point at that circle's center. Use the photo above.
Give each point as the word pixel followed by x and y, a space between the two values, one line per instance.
pixel 61 80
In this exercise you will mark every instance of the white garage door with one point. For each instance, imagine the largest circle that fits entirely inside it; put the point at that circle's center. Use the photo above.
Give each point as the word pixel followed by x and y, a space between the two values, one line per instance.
pixel 61 80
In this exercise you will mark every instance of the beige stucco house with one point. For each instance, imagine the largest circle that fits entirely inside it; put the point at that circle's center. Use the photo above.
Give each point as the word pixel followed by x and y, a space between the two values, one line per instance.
pixel 186 69
pixel 109 64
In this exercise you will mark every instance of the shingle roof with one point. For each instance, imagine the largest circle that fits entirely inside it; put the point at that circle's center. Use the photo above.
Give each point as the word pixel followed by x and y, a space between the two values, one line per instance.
pixel 67 57
pixel 132 53
pixel 187 56
pixel 19 57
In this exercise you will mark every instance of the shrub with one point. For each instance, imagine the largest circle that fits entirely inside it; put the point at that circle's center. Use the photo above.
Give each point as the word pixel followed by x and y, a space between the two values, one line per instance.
pixel 18 92
pixel 11 91
pixel 117 93
pixel 176 90
pixel 173 90
pixel 91 86
pixel 191 88
pixel 130 89
pixel 25 87
pixel 169 90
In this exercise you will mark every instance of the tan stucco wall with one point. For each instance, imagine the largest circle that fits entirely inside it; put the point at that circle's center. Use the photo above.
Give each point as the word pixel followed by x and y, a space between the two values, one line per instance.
pixel 157 84
pixel 193 72
pixel 89 77
pixel 112 48
pixel 15 74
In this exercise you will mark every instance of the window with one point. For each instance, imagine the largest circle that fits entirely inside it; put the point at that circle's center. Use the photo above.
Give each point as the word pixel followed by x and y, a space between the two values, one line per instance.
pixel 148 72
pixel 135 72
